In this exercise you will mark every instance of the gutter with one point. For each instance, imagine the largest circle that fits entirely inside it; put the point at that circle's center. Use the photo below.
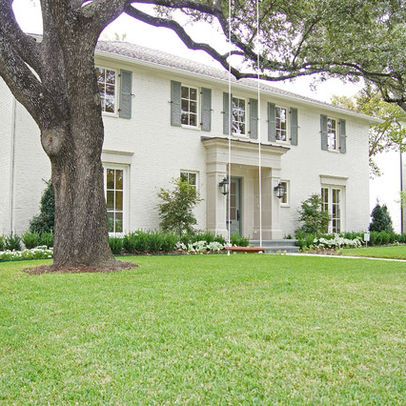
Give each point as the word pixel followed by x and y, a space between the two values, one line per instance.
pixel 12 164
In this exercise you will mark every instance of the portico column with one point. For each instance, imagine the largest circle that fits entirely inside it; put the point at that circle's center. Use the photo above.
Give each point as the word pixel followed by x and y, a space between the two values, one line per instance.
pixel 267 195
pixel 276 232
pixel 215 200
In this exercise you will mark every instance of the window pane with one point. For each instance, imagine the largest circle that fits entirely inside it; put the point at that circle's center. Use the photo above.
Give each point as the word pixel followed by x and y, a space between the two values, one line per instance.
pixel 185 92
pixel 110 178
pixel 184 176
pixel 110 90
pixel 185 119
pixel 109 104
pixel 193 107
pixel 110 200
pixel 193 120
pixel 119 223
pixel 119 200
pixel 193 94
pixel 185 105
pixel 192 179
pixel 119 179
pixel 110 77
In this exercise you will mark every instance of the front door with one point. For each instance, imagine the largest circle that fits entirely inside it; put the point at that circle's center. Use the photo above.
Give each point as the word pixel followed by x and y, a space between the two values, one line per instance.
pixel 235 206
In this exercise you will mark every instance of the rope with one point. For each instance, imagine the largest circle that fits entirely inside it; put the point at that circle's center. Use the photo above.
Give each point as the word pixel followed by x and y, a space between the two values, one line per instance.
pixel 230 110
pixel 259 131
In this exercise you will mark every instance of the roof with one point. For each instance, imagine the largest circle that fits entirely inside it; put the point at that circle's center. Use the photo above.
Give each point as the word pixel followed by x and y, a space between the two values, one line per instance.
pixel 164 60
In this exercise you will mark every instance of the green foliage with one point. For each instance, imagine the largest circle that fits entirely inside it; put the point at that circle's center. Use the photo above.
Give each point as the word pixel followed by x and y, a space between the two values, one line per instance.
pixel 387 135
pixel 116 245
pixel 47 239
pixel 152 242
pixel 12 243
pixel 2 243
pixel 44 222
pixel 381 220
pixel 239 240
pixel 176 207
pixel 202 236
pixel 31 240
pixel 314 220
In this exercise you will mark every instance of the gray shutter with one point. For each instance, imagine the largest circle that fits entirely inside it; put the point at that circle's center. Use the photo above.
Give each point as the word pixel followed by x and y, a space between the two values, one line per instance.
pixel 323 132
pixel 126 84
pixel 253 119
pixel 271 122
pixel 343 137
pixel 206 110
pixel 175 103
pixel 226 112
pixel 293 126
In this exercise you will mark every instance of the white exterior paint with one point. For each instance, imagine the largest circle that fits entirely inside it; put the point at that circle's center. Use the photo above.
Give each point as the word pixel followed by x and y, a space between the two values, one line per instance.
pixel 152 152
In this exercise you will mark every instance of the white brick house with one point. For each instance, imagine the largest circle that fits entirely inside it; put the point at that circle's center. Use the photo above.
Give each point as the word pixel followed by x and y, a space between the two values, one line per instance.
pixel 166 116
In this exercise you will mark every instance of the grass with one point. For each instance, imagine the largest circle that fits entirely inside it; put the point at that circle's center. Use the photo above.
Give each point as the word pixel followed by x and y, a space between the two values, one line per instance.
pixel 206 330
pixel 396 252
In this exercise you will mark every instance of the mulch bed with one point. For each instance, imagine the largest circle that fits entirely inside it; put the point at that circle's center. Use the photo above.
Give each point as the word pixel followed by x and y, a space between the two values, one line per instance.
pixel 116 267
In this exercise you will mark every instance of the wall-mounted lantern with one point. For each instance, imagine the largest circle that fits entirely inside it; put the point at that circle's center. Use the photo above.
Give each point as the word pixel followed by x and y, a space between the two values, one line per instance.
pixel 279 190
pixel 224 186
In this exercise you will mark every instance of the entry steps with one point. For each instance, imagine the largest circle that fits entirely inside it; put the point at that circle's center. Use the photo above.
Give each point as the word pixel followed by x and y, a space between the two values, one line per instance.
pixel 275 246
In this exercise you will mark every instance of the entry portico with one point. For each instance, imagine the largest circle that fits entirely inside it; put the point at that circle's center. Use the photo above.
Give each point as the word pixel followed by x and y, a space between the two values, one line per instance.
pixel 244 188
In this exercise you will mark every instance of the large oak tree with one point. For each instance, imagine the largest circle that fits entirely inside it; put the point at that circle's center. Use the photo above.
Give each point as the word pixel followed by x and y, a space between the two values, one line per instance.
pixel 54 79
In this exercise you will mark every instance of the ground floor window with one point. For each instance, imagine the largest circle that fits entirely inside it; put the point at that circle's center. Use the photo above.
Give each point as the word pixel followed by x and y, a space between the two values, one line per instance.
pixel 286 192
pixel 190 177
pixel 332 198
pixel 114 186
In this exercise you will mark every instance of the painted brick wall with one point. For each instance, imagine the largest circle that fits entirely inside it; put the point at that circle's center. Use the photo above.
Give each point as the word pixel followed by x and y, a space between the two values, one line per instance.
pixel 161 151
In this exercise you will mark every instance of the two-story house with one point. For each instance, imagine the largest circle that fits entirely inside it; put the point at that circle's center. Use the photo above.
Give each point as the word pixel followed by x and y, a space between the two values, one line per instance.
pixel 167 117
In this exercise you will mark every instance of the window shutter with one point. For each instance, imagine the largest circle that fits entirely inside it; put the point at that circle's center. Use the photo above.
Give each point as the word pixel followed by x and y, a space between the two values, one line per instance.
pixel 343 137
pixel 293 126
pixel 226 111
pixel 323 132
pixel 175 104
pixel 126 84
pixel 253 119
pixel 206 110
pixel 271 122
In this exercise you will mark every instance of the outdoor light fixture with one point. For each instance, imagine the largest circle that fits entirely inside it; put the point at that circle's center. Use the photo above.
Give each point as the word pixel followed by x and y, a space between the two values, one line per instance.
pixel 279 190
pixel 223 185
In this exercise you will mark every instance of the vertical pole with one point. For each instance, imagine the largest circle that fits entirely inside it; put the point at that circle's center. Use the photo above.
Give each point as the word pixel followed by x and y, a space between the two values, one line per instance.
pixel 230 121
pixel 259 129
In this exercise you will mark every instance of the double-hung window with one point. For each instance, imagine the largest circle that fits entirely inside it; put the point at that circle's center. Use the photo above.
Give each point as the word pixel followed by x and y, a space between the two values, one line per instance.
pixel 332 134
pixel 190 177
pixel 114 187
pixel 332 198
pixel 189 106
pixel 239 116
pixel 281 124
pixel 107 83
pixel 286 192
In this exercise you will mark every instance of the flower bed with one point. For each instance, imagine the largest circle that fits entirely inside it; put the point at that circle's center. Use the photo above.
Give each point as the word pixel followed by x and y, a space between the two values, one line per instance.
pixel 41 252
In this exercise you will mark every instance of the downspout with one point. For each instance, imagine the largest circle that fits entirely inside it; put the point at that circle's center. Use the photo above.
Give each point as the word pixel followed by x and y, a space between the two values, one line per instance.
pixel 12 163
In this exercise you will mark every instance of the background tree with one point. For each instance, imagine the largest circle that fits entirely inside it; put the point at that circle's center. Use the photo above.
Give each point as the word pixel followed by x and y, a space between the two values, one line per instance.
pixel 381 220
pixel 54 79
pixel 44 222
pixel 176 208
pixel 390 134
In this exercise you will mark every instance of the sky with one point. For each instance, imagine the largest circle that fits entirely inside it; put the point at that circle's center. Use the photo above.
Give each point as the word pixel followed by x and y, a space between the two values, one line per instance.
pixel 385 189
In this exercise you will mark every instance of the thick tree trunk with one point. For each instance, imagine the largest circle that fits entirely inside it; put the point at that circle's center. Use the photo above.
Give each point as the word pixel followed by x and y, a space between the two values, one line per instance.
pixel 74 146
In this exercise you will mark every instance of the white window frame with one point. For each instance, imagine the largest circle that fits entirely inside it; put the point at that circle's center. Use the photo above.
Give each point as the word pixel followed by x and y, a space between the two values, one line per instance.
pixel 287 141
pixel 330 189
pixel 337 135
pixel 245 134
pixel 287 189
pixel 197 126
pixel 125 170
pixel 116 90
pixel 190 172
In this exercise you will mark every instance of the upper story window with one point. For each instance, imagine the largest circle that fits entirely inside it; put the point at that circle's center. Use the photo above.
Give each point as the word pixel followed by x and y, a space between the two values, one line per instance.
pixel 190 177
pixel 332 134
pixel 239 116
pixel 281 124
pixel 189 106
pixel 107 83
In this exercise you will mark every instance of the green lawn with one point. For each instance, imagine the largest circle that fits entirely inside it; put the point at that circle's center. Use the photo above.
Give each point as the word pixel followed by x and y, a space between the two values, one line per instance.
pixel 397 252
pixel 206 330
